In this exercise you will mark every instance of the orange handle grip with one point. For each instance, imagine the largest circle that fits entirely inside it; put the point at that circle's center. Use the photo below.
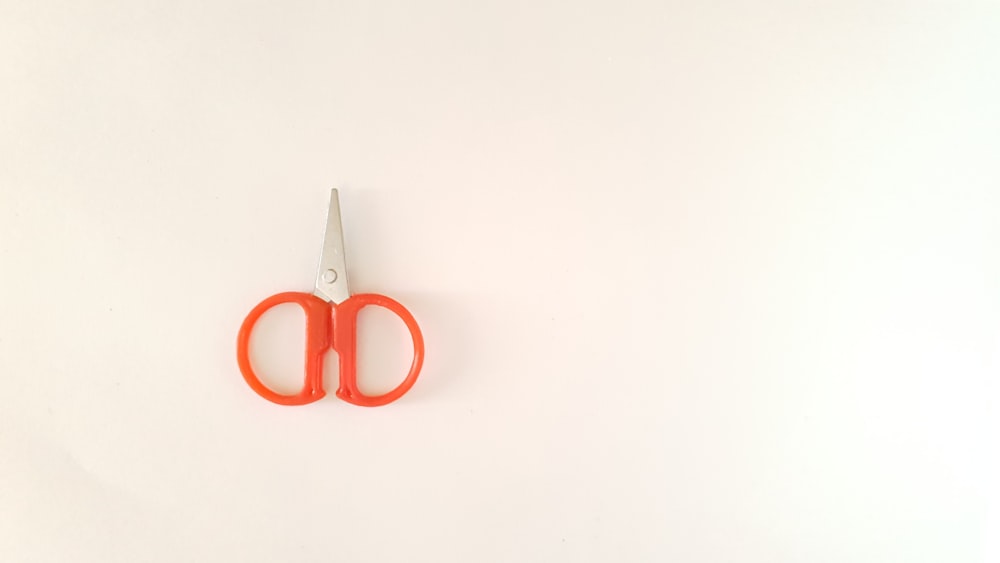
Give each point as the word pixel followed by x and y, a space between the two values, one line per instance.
pixel 319 333
pixel 329 325
pixel 345 324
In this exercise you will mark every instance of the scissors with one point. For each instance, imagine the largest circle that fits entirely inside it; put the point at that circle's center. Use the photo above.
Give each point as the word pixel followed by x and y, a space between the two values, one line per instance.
pixel 331 322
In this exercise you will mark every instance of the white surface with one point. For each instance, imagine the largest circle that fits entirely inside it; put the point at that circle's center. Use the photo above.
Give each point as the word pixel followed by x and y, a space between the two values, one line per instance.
pixel 698 284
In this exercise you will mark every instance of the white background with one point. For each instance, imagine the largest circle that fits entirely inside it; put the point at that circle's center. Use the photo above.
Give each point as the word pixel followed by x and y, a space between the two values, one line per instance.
pixel 699 282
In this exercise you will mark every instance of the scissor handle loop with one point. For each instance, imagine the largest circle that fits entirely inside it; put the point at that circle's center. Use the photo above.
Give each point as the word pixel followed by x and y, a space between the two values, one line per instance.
pixel 345 324
pixel 319 331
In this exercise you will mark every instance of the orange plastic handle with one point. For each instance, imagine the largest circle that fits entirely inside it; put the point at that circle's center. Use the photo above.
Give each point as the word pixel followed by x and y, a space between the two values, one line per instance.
pixel 329 325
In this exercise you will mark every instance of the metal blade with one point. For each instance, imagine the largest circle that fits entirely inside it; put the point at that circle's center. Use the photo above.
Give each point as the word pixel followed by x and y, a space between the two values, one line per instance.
pixel 331 279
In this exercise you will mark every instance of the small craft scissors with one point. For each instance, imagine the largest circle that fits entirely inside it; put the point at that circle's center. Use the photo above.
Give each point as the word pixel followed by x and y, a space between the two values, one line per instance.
pixel 331 322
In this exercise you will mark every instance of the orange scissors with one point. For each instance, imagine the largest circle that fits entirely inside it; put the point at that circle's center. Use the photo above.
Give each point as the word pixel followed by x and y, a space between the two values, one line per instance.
pixel 331 322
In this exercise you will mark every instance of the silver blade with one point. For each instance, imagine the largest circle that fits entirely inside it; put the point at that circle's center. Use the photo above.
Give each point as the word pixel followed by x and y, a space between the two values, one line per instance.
pixel 331 279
